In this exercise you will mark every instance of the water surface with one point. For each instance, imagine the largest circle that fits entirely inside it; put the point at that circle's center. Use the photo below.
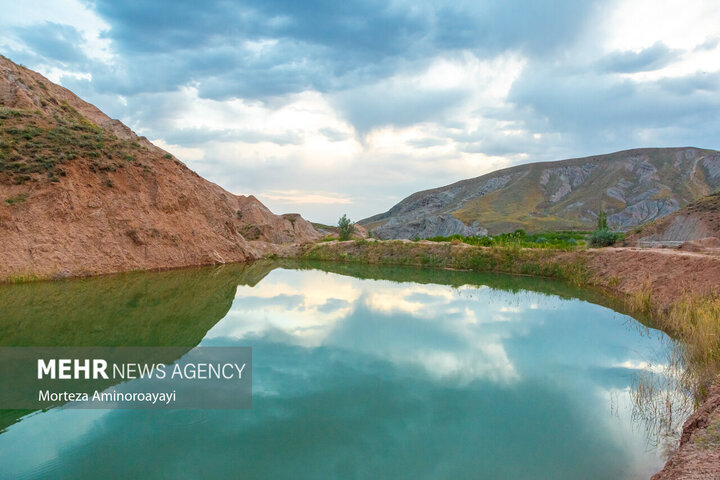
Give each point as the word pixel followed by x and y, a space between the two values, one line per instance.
pixel 362 372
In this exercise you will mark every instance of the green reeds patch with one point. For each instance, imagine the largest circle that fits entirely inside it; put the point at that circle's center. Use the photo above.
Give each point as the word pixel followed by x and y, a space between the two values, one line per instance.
pixel 504 259
pixel 560 240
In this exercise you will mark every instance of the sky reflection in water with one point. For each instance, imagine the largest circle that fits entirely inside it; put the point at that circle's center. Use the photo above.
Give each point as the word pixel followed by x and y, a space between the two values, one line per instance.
pixel 377 379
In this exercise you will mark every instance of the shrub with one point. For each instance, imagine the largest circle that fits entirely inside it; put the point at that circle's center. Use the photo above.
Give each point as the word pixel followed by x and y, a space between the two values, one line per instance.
pixel 19 198
pixel 603 238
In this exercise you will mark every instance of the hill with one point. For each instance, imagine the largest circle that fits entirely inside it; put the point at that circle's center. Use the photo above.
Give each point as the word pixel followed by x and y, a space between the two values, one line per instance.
pixel 81 194
pixel 697 221
pixel 633 186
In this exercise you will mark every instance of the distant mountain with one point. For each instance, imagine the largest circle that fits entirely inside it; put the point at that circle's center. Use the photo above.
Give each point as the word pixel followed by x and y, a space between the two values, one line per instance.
pixel 632 186
pixel 81 194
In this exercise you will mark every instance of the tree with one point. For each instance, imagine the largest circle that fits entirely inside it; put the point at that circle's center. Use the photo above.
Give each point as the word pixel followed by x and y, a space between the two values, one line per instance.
pixel 346 226
pixel 603 236
pixel 602 221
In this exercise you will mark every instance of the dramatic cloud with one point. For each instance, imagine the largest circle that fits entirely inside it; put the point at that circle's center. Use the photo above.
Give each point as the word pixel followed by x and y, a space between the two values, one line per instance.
pixel 330 107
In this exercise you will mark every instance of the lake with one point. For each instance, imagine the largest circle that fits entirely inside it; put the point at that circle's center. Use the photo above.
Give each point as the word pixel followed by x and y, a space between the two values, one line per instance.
pixel 358 372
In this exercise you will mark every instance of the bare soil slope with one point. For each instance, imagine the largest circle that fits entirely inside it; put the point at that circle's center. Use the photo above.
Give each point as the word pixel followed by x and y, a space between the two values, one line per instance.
pixel 698 456
pixel 81 194
pixel 697 222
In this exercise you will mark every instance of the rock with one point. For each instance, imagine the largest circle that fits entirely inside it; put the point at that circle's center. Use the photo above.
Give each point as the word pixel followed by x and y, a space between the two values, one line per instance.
pixel 709 242
pixel 427 227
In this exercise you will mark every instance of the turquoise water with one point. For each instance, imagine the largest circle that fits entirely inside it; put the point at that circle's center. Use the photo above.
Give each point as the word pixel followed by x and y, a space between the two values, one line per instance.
pixel 356 375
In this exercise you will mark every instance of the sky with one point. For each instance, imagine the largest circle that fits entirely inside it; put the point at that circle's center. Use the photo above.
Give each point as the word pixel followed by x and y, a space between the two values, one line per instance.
pixel 332 107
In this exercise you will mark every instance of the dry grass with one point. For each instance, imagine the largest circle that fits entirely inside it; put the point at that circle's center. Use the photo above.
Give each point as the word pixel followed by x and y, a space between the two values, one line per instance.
pixel 695 320
pixel 661 402
pixel 640 301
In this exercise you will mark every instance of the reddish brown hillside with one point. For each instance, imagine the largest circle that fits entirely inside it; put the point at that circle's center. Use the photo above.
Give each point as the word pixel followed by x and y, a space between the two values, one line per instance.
pixel 81 194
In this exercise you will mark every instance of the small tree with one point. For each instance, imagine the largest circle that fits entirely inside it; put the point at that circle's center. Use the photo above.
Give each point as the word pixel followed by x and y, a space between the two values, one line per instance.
pixel 602 221
pixel 346 226
pixel 603 236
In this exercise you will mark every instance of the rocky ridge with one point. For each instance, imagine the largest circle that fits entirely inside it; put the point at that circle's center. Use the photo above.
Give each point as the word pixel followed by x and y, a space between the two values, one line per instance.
pixel 633 186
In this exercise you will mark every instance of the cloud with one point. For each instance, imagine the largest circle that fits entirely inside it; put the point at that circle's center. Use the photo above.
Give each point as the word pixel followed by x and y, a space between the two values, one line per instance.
pixel 271 48
pixel 395 104
pixel 301 197
pixel 53 42
pixel 369 101
pixel 651 58
pixel 606 112
pixel 334 135
pixel 537 28
pixel 195 136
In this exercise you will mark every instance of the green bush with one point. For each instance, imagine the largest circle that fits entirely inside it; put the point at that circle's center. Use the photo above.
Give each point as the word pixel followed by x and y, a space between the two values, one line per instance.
pixel 603 238
pixel 19 198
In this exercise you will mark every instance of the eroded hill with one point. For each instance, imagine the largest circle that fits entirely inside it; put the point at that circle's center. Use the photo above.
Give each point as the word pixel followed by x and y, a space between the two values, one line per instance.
pixel 698 221
pixel 81 194
pixel 633 186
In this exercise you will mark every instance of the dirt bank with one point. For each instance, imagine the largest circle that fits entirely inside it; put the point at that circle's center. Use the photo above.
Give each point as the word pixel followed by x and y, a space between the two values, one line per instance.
pixel 696 221
pixel 668 273
pixel 654 281
pixel 81 194
pixel 698 456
